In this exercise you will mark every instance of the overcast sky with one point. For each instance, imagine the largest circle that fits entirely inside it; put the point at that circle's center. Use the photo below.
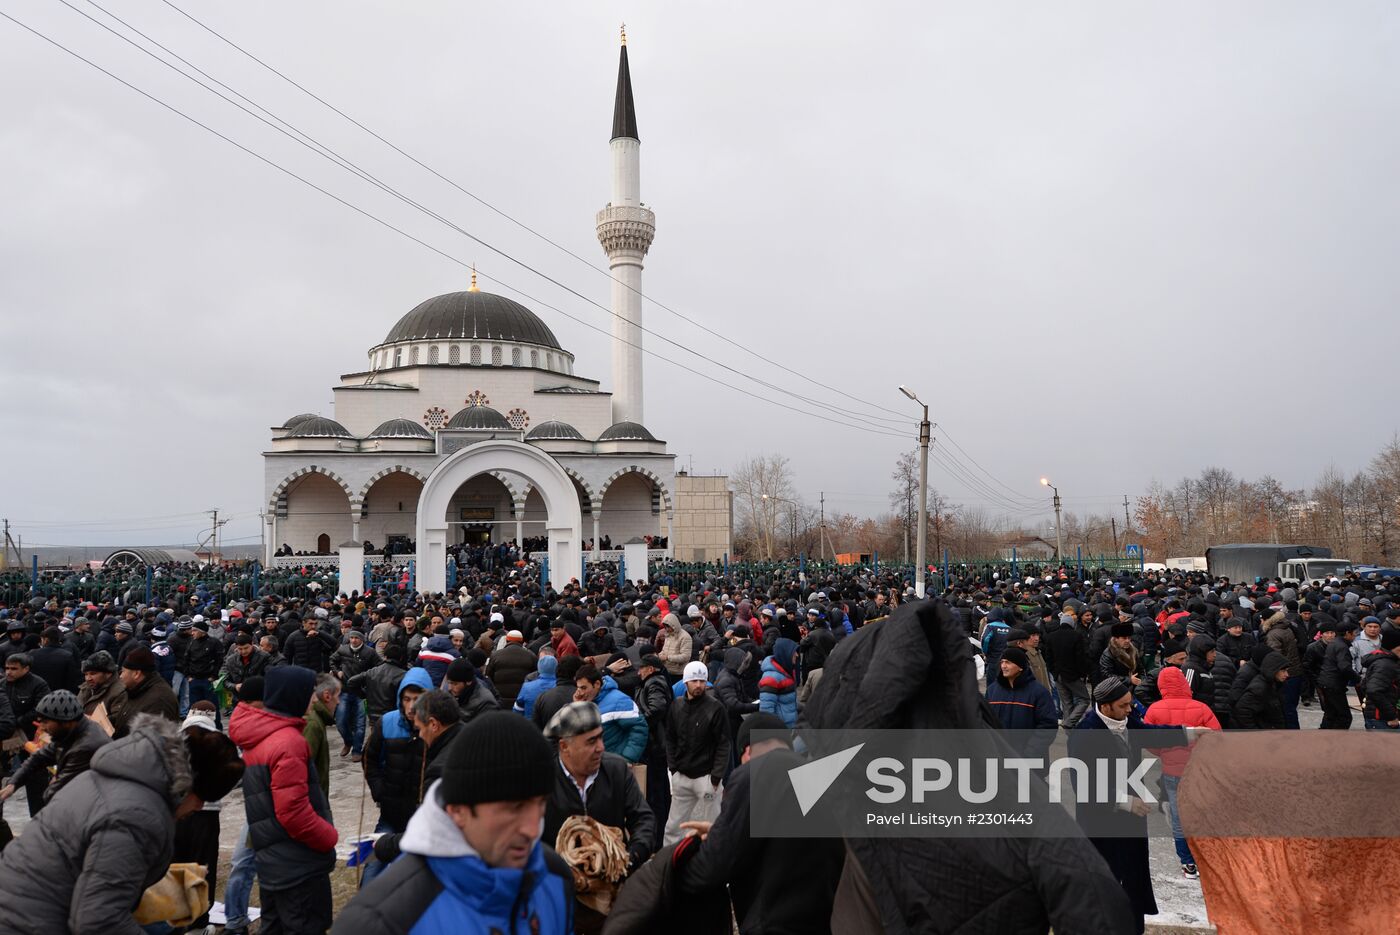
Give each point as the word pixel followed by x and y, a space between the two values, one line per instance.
pixel 1106 242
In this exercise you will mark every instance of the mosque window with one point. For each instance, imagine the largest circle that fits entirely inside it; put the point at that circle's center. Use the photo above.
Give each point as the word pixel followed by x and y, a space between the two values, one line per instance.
pixel 454 355
pixel 398 357
pixel 476 355
pixel 549 361
pixel 496 356
pixel 433 354
pixel 516 355
pixel 534 359
pixel 413 356
pixel 518 419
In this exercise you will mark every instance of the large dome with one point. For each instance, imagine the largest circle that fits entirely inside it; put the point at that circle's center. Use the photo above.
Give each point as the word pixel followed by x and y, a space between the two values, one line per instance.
pixel 468 315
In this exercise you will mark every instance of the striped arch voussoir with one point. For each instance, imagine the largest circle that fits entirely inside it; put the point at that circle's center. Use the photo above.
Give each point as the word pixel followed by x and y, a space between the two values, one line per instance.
pixel 396 469
pixel 645 472
pixel 299 473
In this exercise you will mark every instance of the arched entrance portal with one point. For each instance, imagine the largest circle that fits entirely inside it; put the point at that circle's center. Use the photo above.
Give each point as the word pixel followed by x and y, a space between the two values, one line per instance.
pixel 564 519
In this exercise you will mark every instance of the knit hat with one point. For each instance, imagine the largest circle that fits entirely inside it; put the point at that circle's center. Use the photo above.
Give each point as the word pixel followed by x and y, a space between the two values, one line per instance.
pixel 288 689
pixel 139 660
pixel 692 612
pixel 760 721
pixel 498 618
pixel 100 661
pixel 1014 635
pixel 123 627
pixel 695 671
pixel 501 758
pixel 59 705
pixel 515 636
pixel 202 625
pixel 354 634
pixel 1017 655
pixel 1122 628
pixel 461 670
pixel 253 688
pixel 1110 690
pixel 1171 648
pixel 576 717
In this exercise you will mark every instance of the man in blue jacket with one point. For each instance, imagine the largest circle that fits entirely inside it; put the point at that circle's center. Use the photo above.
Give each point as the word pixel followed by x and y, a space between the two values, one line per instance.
pixel 1022 704
pixel 473 861
pixel 624 729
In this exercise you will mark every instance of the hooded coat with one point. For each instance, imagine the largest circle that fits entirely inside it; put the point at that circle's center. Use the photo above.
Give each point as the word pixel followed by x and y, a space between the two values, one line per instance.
pixel 676 648
pixel 777 688
pixel 289 819
pixel 914 670
pixel 624 729
pixel 531 689
pixel 1261 703
pixel 393 757
pixel 441 886
pixel 1280 638
pixel 1178 708
pixel 84 861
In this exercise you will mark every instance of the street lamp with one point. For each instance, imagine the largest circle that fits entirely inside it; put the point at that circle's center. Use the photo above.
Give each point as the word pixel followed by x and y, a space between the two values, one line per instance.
pixel 925 430
pixel 1059 549
pixel 792 513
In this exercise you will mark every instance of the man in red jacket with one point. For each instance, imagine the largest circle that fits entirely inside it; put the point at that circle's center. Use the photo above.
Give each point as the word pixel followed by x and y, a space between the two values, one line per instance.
pixel 1177 707
pixel 289 826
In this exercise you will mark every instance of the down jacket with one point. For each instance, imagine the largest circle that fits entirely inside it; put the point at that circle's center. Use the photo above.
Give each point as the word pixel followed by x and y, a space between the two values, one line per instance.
pixel 914 670
pixel 777 688
pixel 83 863
pixel 1178 708
pixel 393 756
pixel 289 819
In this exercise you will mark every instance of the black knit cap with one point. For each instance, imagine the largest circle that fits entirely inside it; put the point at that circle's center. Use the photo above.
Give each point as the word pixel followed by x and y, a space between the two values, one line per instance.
pixel 499 757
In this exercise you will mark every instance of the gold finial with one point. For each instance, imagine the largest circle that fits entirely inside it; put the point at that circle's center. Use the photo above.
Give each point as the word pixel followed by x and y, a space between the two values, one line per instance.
pixel 624 33
pixel 473 287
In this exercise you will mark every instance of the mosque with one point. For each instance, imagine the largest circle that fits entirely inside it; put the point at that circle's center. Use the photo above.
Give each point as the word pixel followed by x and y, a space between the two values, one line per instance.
pixel 469 424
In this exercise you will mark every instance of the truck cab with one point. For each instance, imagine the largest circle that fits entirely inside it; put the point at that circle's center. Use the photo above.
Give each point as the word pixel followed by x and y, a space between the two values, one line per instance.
pixel 1306 571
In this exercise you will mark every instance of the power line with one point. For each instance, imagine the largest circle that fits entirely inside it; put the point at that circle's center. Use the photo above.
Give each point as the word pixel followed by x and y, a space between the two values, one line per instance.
pixel 864 428
pixel 522 225
pixel 342 162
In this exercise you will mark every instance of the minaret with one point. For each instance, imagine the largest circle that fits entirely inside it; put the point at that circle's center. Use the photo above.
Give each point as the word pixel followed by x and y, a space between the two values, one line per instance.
pixel 625 229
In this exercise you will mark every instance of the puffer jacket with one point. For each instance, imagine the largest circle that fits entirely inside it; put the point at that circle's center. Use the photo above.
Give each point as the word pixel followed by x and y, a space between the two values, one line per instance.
pixel 777 688
pixel 83 863
pixel 1261 703
pixel 508 668
pixel 350 662
pixel 69 757
pixel 393 757
pixel 204 657
pixel 379 687
pixel 1337 672
pixel 1198 671
pixel 436 654
pixel 624 729
pixel 1222 673
pixel 238 670
pixel 914 670
pixel 1381 671
pixel 676 648
pixel 531 689
pixel 289 819
pixel 1177 708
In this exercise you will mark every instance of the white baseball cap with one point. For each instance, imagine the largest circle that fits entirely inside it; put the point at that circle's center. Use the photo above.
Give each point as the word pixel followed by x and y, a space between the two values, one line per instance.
pixel 696 671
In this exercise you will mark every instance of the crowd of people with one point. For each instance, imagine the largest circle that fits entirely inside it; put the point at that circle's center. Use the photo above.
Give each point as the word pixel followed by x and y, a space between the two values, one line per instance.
pixel 567 759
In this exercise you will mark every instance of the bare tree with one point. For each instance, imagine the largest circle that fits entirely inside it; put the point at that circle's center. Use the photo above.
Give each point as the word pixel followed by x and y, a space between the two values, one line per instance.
pixel 760 485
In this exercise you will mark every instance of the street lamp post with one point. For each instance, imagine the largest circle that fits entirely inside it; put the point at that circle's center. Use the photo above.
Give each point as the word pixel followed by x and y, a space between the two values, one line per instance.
pixel 1059 545
pixel 925 431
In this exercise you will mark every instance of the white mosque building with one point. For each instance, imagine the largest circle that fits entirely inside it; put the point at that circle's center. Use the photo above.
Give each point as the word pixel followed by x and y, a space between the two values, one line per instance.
pixel 469 424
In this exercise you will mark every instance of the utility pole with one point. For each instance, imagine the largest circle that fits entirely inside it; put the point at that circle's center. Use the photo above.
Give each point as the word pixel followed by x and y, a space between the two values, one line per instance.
pixel 1127 520
pixel 921 543
pixel 822 529
pixel 1059 540
pixel 1113 522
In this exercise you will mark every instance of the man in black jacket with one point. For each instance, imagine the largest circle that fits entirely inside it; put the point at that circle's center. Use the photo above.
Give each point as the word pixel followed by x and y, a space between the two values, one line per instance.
pixel 654 699
pixel 350 659
pixel 55 664
pixel 604 779
pixel 775 884
pixel 379 686
pixel 696 734
pixel 1334 677
pixel 204 657
pixel 1067 652
pixel 1382 673
pixel 310 648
